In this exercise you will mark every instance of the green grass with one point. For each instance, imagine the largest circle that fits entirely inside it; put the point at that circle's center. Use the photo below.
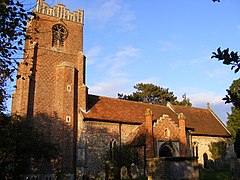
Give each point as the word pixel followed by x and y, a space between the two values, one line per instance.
pixel 214 175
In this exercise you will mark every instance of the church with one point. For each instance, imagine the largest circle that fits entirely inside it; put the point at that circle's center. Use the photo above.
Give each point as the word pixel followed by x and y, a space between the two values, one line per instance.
pixel 89 128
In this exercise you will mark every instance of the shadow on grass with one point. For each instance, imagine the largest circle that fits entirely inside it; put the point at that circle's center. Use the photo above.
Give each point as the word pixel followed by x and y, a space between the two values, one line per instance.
pixel 214 175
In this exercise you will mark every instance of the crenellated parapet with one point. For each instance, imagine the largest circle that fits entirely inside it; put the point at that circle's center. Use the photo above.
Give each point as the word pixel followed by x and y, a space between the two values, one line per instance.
pixel 59 11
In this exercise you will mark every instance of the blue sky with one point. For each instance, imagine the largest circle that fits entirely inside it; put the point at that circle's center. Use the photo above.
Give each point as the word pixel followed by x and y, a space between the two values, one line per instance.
pixel 167 43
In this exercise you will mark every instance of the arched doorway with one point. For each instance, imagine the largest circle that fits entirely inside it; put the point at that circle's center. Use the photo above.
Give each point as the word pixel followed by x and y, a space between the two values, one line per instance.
pixel 165 152
pixel 168 149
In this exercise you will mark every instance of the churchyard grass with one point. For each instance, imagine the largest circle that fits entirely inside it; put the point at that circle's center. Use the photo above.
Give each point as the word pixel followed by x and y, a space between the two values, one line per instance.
pixel 205 174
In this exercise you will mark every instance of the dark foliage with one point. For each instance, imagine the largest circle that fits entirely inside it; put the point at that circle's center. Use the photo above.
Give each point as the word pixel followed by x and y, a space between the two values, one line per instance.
pixel 237 144
pixel 232 59
pixel 233 123
pixel 13 20
pixel 233 94
pixel 150 93
pixel 228 58
pixel 217 149
pixel 22 147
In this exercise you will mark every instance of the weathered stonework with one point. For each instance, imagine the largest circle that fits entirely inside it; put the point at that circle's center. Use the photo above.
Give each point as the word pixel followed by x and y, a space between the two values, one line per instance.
pixel 203 143
pixel 98 136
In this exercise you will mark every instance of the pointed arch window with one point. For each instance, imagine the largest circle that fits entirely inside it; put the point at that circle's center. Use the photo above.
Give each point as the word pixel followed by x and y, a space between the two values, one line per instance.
pixel 59 35
pixel 112 148
pixel 195 149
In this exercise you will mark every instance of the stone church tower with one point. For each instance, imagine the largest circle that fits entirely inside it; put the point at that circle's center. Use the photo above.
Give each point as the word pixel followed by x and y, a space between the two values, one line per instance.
pixel 51 75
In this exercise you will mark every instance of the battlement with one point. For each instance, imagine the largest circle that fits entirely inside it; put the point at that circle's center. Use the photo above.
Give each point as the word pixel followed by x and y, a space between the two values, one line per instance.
pixel 59 11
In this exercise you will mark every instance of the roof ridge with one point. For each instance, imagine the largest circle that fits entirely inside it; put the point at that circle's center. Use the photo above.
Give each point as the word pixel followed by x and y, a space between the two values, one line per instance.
pixel 219 120
pixel 125 100
pixel 193 107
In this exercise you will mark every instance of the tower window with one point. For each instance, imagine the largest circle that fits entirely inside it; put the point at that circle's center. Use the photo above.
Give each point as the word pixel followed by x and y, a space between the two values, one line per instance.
pixel 59 35
pixel 68 119
pixel 69 88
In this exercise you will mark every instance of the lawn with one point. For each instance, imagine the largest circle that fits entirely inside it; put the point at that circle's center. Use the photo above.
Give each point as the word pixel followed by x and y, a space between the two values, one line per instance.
pixel 205 174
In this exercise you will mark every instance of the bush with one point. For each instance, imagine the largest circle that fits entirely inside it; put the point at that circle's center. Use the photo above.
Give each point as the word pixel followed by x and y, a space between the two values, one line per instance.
pixel 217 149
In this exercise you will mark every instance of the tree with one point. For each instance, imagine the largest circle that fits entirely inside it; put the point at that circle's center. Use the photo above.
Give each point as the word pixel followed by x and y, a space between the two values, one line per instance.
pixel 233 123
pixel 237 144
pixel 232 59
pixel 23 147
pixel 150 93
pixel 234 94
pixel 185 101
pixel 217 149
pixel 13 20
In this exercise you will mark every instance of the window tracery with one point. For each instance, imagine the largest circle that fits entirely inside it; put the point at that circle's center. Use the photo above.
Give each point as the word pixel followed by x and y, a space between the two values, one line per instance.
pixel 59 35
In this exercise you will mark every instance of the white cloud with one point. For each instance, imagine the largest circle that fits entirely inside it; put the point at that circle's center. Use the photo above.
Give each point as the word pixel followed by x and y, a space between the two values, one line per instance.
pixel 92 54
pixel 126 20
pixel 115 63
pixel 205 97
pixel 166 46
pixel 216 73
pixel 109 12
pixel 109 88
pixel 103 11
pixel 197 62
pixel 115 78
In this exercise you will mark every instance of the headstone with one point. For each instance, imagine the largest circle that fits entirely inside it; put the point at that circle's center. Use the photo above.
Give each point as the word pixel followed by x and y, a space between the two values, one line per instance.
pixel 101 176
pixel 124 173
pixel 134 172
pixel 210 164
pixel 218 164
pixel 109 170
pixel 234 168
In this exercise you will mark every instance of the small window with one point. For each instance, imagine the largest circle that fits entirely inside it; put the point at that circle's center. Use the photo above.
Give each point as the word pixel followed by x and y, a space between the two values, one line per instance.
pixel 166 133
pixel 68 119
pixel 59 35
pixel 68 88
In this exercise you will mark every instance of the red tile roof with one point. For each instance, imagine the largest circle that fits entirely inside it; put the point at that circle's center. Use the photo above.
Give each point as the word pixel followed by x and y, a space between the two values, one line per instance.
pixel 117 110
pixel 102 108
pixel 204 121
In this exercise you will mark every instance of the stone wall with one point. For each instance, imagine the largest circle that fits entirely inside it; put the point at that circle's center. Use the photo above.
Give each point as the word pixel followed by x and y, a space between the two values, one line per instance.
pixel 203 143
pixel 98 136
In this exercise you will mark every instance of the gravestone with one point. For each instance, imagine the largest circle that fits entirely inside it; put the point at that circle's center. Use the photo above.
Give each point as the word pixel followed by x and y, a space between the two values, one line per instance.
pixel 109 171
pixel 218 164
pixel 124 173
pixel 234 168
pixel 134 172
pixel 210 164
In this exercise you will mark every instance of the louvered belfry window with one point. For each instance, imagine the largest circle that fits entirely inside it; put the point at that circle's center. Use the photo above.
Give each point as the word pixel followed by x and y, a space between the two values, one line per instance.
pixel 59 35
